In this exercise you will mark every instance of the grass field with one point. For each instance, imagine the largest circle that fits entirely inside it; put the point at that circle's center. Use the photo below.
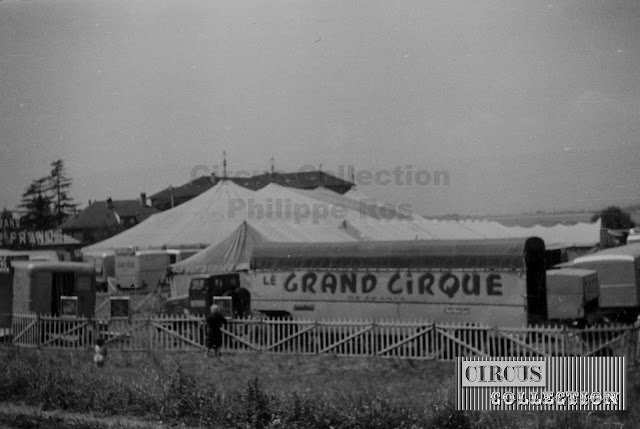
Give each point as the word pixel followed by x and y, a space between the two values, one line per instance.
pixel 257 391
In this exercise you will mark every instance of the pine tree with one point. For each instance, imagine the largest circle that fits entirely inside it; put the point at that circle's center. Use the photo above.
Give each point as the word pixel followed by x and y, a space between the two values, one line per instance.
pixel 6 218
pixel 37 205
pixel 58 190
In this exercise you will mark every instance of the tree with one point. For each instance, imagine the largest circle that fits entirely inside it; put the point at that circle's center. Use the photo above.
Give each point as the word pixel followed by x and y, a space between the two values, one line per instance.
pixel 58 189
pixel 6 219
pixel 37 205
pixel 614 218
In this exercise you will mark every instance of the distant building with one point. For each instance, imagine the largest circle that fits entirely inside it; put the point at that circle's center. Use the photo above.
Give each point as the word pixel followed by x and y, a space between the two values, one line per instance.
pixel 103 219
pixel 173 196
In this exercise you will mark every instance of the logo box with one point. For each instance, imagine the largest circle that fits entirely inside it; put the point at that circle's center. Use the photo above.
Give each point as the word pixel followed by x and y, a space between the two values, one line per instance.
pixel 549 383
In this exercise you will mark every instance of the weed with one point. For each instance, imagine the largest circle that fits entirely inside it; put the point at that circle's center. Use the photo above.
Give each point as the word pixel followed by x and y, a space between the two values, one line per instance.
pixel 274 392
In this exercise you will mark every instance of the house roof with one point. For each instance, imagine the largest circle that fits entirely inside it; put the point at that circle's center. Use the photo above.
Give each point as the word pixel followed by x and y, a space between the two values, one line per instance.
pixel 99 215
pixel 301 180
pixel 191 189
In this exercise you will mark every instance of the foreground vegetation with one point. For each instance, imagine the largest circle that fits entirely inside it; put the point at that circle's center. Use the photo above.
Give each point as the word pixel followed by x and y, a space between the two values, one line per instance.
pixel 257 391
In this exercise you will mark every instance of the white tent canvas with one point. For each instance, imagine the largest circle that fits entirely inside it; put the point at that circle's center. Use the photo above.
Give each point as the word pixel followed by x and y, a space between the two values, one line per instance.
pixel 234 253
pixel 207 218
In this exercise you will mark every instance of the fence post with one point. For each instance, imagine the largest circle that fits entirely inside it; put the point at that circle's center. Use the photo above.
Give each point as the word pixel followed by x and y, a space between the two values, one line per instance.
pixel 149 333
pixel 88 332
pixel 262 334
pixel 38 329
pixel 635 344
pixel 316 337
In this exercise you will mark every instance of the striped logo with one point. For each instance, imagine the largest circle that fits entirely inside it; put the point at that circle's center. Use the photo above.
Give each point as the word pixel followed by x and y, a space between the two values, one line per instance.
pixel 550 383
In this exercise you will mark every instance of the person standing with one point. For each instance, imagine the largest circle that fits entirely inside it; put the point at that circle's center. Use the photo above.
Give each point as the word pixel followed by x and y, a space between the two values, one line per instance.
pixel 214 321
pixel 100 354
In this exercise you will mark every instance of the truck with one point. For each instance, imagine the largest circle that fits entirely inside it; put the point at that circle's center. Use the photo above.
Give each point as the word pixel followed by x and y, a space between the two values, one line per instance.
pixel 144 269
pixel 619 276
pixel 496 282
pixel 573 294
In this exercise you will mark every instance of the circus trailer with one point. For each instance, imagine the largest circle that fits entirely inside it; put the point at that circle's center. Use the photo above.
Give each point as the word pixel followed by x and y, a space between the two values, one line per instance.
pixel 619 277
pixel 179 255
pixel 495 282
pixel 65 289
pixel 140 269
pixel 144 269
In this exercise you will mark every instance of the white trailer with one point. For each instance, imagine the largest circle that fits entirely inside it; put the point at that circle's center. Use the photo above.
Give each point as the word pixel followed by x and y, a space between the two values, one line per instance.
pixel 143 269
pixel 495 282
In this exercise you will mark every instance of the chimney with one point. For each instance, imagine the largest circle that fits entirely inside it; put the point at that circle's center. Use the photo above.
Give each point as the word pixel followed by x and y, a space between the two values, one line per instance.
pixel 143 199
pixel 109 203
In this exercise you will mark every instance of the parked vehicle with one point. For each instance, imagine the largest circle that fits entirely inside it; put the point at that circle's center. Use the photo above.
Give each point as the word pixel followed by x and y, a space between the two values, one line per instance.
pixel 495 282
pixel 573 294
pixel 55 288
pixel 144 269
pixel 619 276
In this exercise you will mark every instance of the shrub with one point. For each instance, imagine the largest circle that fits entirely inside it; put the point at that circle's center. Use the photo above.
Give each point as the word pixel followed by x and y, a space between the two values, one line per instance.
pixel 448 417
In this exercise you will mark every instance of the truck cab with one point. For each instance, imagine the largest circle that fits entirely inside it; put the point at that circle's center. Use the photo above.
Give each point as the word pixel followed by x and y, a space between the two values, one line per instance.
pixel 221 289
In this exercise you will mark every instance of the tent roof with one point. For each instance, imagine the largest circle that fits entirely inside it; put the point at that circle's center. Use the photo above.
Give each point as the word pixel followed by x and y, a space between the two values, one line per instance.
pixel 205 219
pixel 504 253
pixel 409 230
pixel 234 253
pixel 215 214
pixel 631 250
pixel 559 236
pixel 367 208
pixel 356 194
pixel 563 236
pixel 325 210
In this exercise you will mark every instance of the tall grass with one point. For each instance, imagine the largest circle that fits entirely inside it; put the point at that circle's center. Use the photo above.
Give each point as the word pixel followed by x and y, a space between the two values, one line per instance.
pixel 262 391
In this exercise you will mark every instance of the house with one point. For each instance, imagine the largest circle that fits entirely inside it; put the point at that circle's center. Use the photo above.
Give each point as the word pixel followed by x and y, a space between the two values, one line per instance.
pixel 103 219
pixel 173 196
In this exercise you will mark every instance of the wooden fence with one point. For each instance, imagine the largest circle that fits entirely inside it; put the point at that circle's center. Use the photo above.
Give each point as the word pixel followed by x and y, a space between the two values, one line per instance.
pixel 404 340
pixel 148 303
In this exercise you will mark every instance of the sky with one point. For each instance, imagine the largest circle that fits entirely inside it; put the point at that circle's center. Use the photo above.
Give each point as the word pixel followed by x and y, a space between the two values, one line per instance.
pixel 526 105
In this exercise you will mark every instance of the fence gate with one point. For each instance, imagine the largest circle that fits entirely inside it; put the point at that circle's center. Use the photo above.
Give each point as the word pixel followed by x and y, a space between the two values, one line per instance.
pixel 451 341
pixel 65 333
pixel 616 340
pixel 125 334
pixel 177 333
pixel 25 329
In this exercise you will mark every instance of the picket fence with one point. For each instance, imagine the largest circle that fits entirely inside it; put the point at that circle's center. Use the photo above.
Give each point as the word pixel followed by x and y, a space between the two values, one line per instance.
pixel 390 339
pixel 148 303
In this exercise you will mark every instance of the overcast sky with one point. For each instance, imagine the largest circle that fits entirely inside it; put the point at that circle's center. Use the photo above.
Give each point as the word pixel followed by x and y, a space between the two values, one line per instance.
pixel 528 105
